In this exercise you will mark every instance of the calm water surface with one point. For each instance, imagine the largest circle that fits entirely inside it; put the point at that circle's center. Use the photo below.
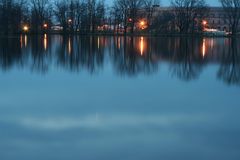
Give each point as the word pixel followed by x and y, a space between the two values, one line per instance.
pixel 116 98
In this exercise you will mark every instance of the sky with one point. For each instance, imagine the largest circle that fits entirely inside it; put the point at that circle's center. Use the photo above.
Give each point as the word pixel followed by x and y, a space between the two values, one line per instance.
pixel 209 2
pixel 167 2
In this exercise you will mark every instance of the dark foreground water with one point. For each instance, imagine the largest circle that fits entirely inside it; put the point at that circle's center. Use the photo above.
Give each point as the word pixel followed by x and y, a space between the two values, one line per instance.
pixel 116 98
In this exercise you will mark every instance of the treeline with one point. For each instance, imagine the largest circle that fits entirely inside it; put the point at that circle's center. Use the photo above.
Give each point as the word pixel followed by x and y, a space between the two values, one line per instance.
pixel 90 16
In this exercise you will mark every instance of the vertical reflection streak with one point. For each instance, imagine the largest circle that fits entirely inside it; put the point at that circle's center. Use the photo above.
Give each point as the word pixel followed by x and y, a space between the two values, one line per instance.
pixel 204 48
pixel 141 46
pixel 98 42
pixel 25 40
pixel 45 42
pixel 21 41
pixel 69 46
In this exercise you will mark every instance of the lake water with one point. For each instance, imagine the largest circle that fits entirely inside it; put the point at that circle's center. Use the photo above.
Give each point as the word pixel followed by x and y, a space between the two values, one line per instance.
pixel 116 98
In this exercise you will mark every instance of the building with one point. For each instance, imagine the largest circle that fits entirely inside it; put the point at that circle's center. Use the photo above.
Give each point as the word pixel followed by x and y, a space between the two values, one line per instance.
pixel 216 18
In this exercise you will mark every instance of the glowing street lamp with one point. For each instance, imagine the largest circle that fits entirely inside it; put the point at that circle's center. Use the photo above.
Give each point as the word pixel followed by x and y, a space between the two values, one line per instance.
pixel 142 24
pixel 69 20
pixel 45 25
pixel 204 22
pixel 25 28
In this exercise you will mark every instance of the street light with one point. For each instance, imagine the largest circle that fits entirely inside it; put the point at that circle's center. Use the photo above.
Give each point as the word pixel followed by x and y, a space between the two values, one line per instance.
pixel 142 24
pixel 25 28
pixel 45 25
pixel 204 22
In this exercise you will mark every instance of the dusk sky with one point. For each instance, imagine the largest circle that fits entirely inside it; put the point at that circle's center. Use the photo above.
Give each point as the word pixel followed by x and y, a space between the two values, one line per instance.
pixel 167 2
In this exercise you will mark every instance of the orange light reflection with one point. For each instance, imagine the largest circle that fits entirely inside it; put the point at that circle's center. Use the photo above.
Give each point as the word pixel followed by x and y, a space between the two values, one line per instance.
pixel 45 42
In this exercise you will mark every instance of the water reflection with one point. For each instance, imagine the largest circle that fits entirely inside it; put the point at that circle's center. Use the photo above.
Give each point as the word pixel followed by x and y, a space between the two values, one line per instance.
pixel 229 70
pixel 128 56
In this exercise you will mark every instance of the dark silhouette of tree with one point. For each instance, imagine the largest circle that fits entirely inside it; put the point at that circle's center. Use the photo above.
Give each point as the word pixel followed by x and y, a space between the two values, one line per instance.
pixel 11 15
pixel 61 11
pixel 229 71
pixel 232 9
pixel 164 23
pixel 116 17
pixel 121 8
pixel 186 13
pixel 41 12
pixel 151 9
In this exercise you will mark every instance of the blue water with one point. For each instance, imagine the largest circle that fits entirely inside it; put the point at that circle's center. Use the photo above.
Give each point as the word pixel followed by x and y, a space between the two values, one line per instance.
pixel 137 98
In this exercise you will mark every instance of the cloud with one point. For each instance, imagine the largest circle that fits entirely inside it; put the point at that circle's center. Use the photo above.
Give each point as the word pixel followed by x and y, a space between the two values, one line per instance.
pixel 108 121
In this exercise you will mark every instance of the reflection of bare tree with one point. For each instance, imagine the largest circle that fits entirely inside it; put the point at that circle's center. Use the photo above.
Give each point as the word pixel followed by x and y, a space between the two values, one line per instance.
pixel 229 71
pixel 77 53
pixel 133 57
pixel 10 52
pixel 41 58
pixel 186 64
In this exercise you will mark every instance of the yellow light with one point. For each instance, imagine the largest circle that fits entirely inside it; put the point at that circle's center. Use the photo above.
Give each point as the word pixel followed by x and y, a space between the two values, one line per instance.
pixel 45 42
pixel 141 46
pixel 204 48
pixel 142 23
pixel 25 28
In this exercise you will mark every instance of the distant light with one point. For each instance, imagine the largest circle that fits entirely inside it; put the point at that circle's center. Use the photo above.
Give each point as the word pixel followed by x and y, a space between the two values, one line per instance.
pixel 142 23
pixel 204 22
pixel 45 25
pixel 25 28
pixel 69 20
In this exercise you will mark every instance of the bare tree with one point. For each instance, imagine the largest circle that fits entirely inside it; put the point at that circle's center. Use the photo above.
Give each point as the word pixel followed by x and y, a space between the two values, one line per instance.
pixel 134 9
pixel 116 17
pixel 232 9
pixel 11 15
pixel 61 9
pixel 186 13
pixel 150 8
pixel 41 12
pixel 121 8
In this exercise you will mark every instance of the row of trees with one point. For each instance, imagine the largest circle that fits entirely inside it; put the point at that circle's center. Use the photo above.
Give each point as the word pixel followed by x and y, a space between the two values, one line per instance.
pixel 184 16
